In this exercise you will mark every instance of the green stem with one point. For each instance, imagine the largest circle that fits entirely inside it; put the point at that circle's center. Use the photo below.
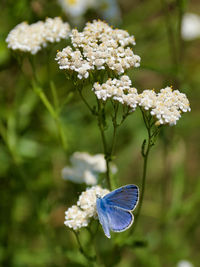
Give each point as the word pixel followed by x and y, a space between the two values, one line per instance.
pixel 145 153
pixel 115 126
pixel 101 122
pixel 143 178
pixel 181 8
pixel 100 113
pixel 180 40
pixel 54 112
pixel 125 115
pixel 85 101
pixel 45 101
pixel 82 250
pixel 101 125
pixel 54 115
pixel 170 34
pixel 3 133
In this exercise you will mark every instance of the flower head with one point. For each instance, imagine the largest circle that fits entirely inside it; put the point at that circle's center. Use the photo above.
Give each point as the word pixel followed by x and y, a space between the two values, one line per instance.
pixel 166 106
pixel 119 90
pixel 98 46
pixel 75 218
pixel 87 200
pixel 85 168
pixel 31 38
pixel 79 215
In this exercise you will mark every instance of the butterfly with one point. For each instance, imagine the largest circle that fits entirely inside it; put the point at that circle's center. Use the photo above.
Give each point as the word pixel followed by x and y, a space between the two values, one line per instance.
pixel 114 209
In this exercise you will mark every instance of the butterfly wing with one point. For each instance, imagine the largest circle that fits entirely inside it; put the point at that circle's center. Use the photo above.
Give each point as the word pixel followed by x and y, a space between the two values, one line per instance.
pixel 103 217
pixel 125 197
pixel 119 220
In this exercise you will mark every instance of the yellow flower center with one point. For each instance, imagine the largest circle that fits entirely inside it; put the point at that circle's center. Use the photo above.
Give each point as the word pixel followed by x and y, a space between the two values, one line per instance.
pixel 72 2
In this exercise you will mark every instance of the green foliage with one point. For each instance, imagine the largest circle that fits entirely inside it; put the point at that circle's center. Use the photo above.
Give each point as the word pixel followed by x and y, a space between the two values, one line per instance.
pixel 37 140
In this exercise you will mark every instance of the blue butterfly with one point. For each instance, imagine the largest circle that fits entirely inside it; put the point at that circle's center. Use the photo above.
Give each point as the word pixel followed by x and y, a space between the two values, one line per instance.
pixel 114 209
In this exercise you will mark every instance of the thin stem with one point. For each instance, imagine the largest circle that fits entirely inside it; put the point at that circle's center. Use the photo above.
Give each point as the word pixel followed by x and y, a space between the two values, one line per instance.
pixel 93 240
pixel 61 133
pixel 125 115
pixel 103 137
pixel 85 101
pixel 180 44
pixel 115 126
pixel 180 40
pixel 143 178
pixel 82 250
pixel 45 101
pixel 170 34
pixel 54 94
pixel 3 134
pixel 145 153
pixel 54 112
pixel 101 124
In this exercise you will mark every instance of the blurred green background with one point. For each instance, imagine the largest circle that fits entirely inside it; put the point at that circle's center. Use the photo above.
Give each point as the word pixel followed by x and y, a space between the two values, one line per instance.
pixel 33 196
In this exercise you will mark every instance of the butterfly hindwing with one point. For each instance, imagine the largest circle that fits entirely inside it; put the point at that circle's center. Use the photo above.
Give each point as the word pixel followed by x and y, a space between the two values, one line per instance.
pixel 119 219
pixel 125 197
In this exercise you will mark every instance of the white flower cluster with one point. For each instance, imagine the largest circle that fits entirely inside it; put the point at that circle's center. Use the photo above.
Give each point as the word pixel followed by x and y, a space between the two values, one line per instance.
pixel 79 215
pixel 85 168
pixel 31 38
pixel 118 90
pixel 166 106
pixel 98 46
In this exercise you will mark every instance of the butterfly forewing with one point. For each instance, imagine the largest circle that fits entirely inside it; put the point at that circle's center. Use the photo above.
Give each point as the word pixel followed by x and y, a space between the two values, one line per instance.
pixel 125 197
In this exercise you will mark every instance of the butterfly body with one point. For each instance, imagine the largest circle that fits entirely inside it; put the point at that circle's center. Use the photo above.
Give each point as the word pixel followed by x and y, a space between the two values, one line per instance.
pixel 114 209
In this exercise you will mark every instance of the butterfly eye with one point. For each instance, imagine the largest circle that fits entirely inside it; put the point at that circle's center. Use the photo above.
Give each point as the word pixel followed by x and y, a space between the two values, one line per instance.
pixel 98 196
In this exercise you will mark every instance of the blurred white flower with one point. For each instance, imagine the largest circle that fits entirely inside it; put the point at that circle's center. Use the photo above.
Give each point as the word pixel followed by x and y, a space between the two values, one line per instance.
pixel 32 38
pixel 85 168
pixel 74 8
pixel 190 26
pixel 98 46
pixel 184 263
pixel 166 106
pixel 108 9
pixel 79 215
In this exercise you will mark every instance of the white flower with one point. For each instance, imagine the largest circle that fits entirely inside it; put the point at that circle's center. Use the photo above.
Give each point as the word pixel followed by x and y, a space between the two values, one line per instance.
pixel 190 26
pixel 85 168
pixel 118 90
pixel 87 200
pixel 55 29
pixel 31 38
pixel 166 106
pixel 99 46
pixel 184 263
pixel 79 215
pixel 75 218
pixel 74 7
pixel 147 99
